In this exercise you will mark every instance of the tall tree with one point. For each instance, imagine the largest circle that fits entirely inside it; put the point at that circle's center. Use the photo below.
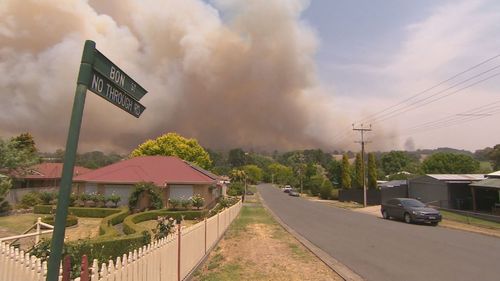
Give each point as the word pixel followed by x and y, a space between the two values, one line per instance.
pixel 25 142
pixel 346 173
pixel 449 163
pixel 172 144
pixel 494 156
pixel 253 173
pixel 14 156
pixel 359 173
pixel 372 171
pixel 280 174
pixel 395 162
pixel 237 157
pixel 335 172
pixel 5 185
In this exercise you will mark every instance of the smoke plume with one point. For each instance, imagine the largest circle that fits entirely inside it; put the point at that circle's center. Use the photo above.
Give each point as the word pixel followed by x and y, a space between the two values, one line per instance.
pixel 231 73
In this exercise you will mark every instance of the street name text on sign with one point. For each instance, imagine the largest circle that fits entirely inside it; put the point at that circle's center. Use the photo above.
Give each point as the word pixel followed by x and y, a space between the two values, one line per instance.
pixel 106 89
pixel 121 80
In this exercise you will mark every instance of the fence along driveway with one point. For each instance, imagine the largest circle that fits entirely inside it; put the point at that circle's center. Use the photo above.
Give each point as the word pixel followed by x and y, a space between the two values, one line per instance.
pixel 171 258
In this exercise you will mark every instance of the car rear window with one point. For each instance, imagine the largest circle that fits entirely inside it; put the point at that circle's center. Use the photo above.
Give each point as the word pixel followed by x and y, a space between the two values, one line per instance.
pixel 412 203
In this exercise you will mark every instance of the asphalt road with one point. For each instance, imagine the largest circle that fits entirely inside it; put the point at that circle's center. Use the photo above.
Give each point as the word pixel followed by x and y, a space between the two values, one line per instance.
pixel 386 250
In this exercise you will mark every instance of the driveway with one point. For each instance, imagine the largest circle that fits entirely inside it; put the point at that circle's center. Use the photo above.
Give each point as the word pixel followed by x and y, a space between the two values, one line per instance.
pixel 386 250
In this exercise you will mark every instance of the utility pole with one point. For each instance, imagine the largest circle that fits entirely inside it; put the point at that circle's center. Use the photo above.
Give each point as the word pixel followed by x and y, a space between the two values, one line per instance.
pixel 362 130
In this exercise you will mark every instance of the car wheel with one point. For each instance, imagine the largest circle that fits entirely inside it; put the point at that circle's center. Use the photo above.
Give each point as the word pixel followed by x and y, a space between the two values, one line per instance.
pixel 407 218
pixel 434 223
pixel 385 215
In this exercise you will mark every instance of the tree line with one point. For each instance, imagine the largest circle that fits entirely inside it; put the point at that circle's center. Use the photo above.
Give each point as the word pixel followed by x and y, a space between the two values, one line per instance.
pixel 312 170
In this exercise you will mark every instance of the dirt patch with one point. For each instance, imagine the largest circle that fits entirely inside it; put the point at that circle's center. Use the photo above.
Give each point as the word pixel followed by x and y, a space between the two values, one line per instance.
pixel 86 228
pixel 371 210
pixel 5 232
pixel 336 203
pixel 263 251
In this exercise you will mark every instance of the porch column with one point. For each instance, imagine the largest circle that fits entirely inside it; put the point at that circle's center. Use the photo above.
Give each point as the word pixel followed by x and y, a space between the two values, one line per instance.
pixel 474 204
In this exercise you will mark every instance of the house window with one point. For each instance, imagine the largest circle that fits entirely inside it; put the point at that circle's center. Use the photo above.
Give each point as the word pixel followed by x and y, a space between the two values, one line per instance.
pixel 181 191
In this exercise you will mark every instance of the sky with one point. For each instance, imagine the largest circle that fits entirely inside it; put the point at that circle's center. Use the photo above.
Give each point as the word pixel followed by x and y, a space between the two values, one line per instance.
pixel 262 75
pixel 376 54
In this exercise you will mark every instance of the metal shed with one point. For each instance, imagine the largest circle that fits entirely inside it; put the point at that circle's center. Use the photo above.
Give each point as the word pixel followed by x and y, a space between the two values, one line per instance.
pixel 486 194
pixel 445 190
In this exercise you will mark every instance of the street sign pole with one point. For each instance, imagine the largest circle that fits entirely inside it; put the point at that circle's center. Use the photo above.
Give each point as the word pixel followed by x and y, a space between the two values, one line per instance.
pixel 69 162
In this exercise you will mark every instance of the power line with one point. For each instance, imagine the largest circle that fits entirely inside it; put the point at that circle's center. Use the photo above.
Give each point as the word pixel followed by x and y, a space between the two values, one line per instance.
pixel 416 105
pixel 431 88
pixel 475 111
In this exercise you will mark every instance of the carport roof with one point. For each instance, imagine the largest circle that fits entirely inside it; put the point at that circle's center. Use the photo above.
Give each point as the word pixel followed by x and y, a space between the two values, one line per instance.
pixel 491 183
pixel 494 175
pixel 457 177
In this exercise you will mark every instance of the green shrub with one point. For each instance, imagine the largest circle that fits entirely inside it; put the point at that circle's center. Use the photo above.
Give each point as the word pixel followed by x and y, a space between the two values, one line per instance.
pixel 235 189
pixel 30 199
pixel 147 188
pixel 46 197
pixel 101 249
pixel 106 228
pixel 117 246
pixel 114 199
pixel 224 202
pixel 334 194
pixel 164 227
pixel 72 199
pixel 43 209
pixel 197 201
pixel 92 212
pixel 186 203
pixel 70 220
pixel 130 223
pixel 326 190
pixel 79 211
pixel 174 203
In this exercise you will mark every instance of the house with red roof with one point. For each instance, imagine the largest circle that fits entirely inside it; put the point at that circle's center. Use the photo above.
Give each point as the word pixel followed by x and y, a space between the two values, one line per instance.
pixel 173 176
pixel 40 177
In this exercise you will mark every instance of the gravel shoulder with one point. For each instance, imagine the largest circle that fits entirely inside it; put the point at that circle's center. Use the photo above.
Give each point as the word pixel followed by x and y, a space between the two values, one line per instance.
pixel 256 247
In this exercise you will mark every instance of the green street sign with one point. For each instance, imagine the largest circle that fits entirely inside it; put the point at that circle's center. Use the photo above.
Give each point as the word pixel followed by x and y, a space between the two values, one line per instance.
pixel 106 89
pixel 101 76
pixel 121 80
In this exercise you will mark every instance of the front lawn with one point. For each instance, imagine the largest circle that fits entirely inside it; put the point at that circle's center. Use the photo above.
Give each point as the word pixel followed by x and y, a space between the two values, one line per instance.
pixel 18 223
pixel 469 220
pixel 86 227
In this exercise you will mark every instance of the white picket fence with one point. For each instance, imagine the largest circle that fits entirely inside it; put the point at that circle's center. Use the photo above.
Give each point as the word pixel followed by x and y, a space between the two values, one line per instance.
pixel 171 258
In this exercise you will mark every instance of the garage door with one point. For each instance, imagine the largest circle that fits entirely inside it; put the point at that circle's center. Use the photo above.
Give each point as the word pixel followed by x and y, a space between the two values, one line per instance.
pixel 181 191
pixel 121 190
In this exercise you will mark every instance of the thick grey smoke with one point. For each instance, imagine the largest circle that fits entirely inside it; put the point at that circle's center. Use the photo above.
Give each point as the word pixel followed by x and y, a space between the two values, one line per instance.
pixel 229 73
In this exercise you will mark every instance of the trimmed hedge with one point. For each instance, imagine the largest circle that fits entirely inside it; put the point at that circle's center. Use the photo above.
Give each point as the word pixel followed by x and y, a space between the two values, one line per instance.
pixel 106 228
pixel 43 209
pixel 79 211
pixel 109 248
pixel 70 220
pixel 130 223
pixel 93 212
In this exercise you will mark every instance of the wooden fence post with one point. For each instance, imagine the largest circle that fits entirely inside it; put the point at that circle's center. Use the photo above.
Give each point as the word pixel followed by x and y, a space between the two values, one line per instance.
pixel 218 225
pixel 66 268
pixel 205 235
pixel 179 252
pixel 84 273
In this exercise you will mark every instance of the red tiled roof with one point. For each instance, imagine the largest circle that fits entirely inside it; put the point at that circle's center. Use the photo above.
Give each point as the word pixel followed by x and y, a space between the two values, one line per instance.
pixel 50 171
pixel 157 169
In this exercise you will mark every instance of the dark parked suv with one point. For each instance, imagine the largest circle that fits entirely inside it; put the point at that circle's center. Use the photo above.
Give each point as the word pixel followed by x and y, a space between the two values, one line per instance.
pixel 410 210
